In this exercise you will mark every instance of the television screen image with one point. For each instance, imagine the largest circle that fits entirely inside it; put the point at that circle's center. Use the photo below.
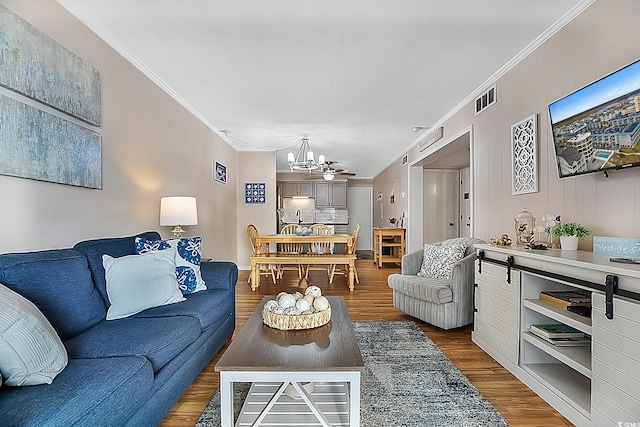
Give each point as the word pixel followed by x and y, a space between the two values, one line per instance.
pixel 597 128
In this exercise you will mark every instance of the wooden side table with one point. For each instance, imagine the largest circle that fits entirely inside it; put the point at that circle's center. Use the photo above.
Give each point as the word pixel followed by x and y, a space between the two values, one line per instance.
pixel 387 237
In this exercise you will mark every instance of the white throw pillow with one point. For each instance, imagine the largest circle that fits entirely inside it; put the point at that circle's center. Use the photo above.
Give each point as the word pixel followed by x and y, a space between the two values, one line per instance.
pixel 438 260
pixel 138 282
pixel 31 352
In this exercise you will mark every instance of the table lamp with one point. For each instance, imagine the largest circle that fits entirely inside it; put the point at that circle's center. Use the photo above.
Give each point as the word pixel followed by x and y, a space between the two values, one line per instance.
pixel 178 211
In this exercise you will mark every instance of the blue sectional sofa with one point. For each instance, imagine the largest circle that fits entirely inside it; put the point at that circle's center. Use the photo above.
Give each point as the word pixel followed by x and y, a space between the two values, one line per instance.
pixel 125 372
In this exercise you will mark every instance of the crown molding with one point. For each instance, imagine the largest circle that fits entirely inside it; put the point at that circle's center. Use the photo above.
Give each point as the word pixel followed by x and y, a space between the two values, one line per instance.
pixel 114 43
pixel 552 30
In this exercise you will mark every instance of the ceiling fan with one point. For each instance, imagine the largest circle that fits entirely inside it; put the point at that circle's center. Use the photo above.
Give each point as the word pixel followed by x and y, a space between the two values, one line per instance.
pixel 328 171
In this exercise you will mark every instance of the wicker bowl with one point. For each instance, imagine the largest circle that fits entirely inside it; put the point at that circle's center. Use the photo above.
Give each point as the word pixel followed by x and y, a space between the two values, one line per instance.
pixel 302 321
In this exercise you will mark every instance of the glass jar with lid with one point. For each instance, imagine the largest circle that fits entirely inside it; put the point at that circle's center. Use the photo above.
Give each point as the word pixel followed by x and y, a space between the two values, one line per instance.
pixel 525 224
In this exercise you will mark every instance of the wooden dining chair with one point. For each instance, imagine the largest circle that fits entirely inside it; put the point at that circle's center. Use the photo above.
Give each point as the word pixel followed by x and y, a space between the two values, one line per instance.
pixel 334 268
pixel 290 249
pixel 320 248
pixel 265 269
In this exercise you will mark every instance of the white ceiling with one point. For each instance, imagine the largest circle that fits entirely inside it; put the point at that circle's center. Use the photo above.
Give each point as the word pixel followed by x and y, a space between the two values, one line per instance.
pixel 355 76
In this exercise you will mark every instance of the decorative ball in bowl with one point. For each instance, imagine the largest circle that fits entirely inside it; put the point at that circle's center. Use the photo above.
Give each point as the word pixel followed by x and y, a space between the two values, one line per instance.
pixel 297 311
pixel 303 231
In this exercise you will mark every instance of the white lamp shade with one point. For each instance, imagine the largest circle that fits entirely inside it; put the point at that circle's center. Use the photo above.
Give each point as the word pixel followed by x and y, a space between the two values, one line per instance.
pixel 178 211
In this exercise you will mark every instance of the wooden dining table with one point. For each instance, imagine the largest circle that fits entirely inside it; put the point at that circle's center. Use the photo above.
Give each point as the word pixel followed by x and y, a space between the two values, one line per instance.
pixel 305 257
pixel 346 239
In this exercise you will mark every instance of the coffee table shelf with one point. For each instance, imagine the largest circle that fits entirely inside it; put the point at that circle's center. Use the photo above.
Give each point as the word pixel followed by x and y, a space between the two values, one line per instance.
pixel 331 399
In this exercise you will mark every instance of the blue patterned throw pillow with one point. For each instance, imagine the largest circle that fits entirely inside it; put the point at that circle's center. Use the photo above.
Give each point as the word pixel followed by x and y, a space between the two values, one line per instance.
pixel 188 257
pixel 438 260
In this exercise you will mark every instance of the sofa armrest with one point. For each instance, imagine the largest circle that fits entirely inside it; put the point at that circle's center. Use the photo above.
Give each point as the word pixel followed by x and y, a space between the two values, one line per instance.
pixel 462 278
pixel 219 274
pixel 412 262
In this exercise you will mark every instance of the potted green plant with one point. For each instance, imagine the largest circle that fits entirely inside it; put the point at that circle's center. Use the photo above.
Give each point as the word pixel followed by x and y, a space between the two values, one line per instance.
pixel 570 233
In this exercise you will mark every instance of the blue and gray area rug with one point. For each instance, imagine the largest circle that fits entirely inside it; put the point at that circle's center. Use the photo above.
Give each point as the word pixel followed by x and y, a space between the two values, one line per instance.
pixel 407 382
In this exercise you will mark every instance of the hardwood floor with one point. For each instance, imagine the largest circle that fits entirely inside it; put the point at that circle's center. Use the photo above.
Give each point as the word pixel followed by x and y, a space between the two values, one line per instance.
pixel 372 301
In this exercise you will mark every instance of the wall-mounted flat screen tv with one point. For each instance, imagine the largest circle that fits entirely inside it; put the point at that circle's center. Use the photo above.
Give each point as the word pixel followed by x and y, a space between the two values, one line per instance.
pixel 597 128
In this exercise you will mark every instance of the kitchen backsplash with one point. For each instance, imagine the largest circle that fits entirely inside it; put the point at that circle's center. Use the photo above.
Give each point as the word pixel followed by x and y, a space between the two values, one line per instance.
pixel 295 203
pixel 314 216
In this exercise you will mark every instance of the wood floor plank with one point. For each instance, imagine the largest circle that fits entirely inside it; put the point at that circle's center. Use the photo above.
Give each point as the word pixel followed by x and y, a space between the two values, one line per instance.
pixel 372 301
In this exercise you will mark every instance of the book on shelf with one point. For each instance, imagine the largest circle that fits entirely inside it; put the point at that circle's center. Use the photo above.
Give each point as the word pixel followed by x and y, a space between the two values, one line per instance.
pixel 556 330
pixel 583 341
pixel 582 310
pixel 564 299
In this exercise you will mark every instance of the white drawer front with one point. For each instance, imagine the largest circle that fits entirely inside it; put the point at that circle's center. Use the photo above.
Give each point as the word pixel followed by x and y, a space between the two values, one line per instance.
pixel 616 363
pixel 498 274
pixel 493 291
pixel 499 340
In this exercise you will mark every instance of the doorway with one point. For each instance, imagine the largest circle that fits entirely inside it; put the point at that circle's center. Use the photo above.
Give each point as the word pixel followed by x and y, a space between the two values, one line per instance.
pixel 454 155
pixel 360 205
pixel 440 204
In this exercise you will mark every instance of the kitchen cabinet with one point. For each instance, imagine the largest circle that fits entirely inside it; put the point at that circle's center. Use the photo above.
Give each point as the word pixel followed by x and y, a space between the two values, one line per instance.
pixel 296 188
pixel 331 194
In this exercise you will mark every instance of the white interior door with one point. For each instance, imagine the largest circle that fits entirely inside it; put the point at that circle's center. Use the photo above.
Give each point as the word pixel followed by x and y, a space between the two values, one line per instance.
pixel 440 204
pixel 465 202
pixel 360 205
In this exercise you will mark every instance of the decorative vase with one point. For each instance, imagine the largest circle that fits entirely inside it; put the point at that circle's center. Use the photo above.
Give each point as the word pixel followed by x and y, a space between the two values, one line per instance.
pixel 569 243
pixel 525 225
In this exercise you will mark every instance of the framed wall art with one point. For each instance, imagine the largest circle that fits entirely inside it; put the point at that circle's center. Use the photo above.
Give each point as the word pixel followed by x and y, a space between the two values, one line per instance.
pixel 219 172
pixel 255 192
pixel 37 145
pixel 392 196
pixel 50 108
pixel 44 70
pixel 524 162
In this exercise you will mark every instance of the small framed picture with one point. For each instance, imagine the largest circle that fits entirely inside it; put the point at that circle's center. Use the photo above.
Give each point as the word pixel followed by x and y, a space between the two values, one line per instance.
pixel 219 172
pixel 255 192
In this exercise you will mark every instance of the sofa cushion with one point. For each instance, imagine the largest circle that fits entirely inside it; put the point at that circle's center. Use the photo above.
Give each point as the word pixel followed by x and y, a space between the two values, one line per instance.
pixel 89 392
pixel 209 307
pixel 436 291
pixel 113 246
pixel 31 352
pixel 158 339
pixel 438 260
pixel 59 283
pixel 138 282
pixel 188 254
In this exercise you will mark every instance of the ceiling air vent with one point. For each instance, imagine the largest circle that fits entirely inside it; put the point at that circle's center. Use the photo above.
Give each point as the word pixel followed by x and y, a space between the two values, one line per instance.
pixel 486 100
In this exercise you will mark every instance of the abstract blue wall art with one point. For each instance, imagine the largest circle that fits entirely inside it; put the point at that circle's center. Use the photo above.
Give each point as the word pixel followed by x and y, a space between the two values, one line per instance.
pixel 38 145
pixel 255 192
pixel 38 67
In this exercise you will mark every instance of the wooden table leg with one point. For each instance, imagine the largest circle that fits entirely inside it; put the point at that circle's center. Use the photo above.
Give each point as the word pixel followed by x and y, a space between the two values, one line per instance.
pixel 352 266
pixel 255 275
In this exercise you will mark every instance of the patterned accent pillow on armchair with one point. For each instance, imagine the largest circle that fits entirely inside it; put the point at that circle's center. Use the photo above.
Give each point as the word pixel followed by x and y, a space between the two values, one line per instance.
pixel 438 260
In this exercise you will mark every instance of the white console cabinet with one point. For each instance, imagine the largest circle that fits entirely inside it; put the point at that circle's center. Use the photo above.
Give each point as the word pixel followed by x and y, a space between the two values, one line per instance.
pixel 597 385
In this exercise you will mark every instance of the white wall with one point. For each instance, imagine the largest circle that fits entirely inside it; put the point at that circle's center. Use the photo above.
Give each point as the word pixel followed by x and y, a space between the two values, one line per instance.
pixel 601 40
pixel 255 167
pixel 151 147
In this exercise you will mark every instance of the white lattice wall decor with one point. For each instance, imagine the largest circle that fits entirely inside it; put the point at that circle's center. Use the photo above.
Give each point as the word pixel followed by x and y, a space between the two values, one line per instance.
pixel 524 162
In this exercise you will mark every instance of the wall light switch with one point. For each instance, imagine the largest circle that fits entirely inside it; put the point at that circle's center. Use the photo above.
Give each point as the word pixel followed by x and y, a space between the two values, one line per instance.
pixel 402 195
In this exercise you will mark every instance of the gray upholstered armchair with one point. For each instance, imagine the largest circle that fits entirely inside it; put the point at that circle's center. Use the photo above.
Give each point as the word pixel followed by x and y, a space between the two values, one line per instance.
pixel 446 303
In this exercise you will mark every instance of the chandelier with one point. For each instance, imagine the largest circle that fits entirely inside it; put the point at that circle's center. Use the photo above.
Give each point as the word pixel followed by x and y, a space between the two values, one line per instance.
pixel 304 161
